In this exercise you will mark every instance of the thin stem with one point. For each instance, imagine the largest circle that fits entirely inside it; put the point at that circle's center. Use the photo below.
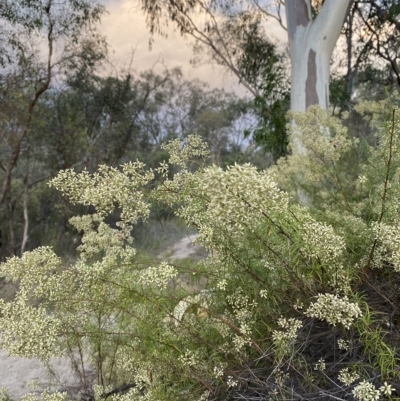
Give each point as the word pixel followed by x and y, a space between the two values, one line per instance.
pixel 384 197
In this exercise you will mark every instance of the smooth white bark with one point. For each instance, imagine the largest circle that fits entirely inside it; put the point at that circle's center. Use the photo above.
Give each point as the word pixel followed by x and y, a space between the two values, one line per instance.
pixel 311 43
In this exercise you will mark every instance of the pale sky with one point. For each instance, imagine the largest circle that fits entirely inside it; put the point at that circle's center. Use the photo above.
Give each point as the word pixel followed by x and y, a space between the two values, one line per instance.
pixel 125 28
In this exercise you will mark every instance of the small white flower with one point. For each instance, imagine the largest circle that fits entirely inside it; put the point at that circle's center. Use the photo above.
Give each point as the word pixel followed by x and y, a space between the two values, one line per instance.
pixel 298 305
pixel 343 344
pixel 222 284
pixel 290 327
pixel 281 377
pixel 362 179
pixel 320 365
pixel 386 389
pixel 159 276
pixel 204 396
pixel 231 383
pixel 218 371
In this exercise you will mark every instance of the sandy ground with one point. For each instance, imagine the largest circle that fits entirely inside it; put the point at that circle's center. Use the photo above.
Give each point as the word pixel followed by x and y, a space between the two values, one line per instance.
pixel 185 248
pixel 16 373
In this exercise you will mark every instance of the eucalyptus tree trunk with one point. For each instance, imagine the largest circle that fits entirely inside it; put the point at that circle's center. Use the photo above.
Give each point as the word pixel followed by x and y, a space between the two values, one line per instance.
pixel 311 43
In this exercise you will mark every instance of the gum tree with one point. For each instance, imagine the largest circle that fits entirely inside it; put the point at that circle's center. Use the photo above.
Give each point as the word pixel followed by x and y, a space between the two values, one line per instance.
pixel 311 43
pixel 311 39
pixel 26 77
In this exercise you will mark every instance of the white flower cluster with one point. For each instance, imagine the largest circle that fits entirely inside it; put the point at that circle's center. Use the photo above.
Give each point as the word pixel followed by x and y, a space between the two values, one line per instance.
pixel 343 344
pixel 322 133
pixel 239 342
pixel 281 377
pixel 46 396
pixel 27 331
pixel 34 272
pixel 323 136
pixel 238 196
pixel 362 179
pixel 389 236
pixel 4 396
pixel 221 285
pixel 190 358
pixel 243 314
pixel 320 241
pixel 231 382
pixel 386 389
pixel 320 365
pixel 67 294
pixel 366 392
pixel 268 265
pixel 218 371
pixel 108 188
pixel 334 310
pixel 347 377
pixel 299 305
pixel 159 276
pixel 100 237
pixel 193 147
pixel 290 328
pixel 205 396
pixel 125 360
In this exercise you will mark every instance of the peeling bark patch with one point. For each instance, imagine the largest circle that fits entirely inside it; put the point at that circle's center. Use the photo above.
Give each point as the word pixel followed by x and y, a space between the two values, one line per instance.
pixel 301 13
pixel 298 15
pixel 326 96
pixel 311 82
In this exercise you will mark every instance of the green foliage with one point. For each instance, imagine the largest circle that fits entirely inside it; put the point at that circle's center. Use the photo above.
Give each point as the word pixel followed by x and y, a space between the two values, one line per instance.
pixel 262 65
pixel 23 22
pixel 295 300
pixel 271 131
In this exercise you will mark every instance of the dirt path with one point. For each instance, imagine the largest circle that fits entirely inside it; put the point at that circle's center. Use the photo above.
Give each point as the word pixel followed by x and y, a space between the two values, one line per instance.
pixel 185 248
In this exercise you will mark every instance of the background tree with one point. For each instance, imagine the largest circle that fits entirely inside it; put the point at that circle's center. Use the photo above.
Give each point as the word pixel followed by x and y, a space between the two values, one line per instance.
pixel 236 39
pixel 27 75
pixel 371 43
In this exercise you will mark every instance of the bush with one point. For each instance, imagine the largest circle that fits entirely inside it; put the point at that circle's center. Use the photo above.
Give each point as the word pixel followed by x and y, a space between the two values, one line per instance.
pixel 302 278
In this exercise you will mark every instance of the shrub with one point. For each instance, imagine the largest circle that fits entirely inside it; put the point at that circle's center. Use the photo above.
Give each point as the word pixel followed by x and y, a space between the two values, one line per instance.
pixel 300 300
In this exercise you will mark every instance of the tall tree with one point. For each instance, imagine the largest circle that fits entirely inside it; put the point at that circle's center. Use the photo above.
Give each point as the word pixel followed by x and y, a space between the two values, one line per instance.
pixel 372 44
pixel 35 37
pixel 311 39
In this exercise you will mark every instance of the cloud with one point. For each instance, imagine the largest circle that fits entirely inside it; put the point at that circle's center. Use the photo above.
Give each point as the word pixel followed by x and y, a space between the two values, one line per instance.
pixel 126 31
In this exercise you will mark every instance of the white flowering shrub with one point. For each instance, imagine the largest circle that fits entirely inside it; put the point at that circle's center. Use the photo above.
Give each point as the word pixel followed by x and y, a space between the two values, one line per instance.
pixel 291 303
